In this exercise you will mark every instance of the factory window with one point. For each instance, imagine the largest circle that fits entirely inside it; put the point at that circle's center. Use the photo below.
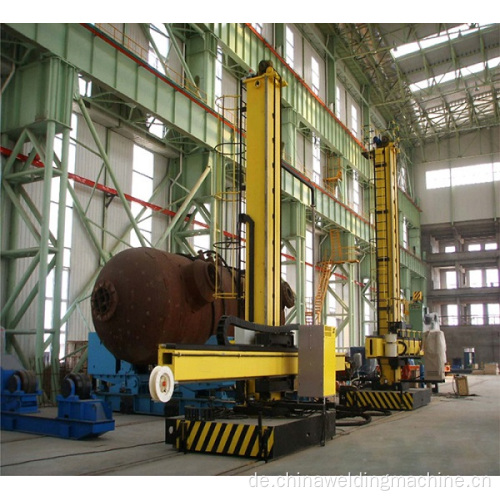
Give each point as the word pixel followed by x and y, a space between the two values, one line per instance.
pixel 258 27
pixel 316 160
pixel 402 178
pixel 452 314
pixel 474 247
pixel 475 278
pixel 157 58
pixel 477 314
pixel 315 75
pixel 142 189
pixel 201 241
pixel 493 314
pixel 218 77
pixel 450 249
pixel 435 179
pixel 355 191
pixel 490 246
pixel 84 87
pixel 309 264
pixel 491 277
pixel 451 280
pixel 405 232
pixel 337 101
pixel 155 127
pixel 463 176
pixel 290 48
pixel 67 243
pixel 354 120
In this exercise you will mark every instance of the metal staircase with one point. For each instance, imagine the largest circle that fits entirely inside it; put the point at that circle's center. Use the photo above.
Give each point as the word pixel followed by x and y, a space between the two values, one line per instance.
pixel 338 255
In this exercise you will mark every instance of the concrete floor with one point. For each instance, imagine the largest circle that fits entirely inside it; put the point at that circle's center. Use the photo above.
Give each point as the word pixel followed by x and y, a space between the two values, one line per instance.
pixel 450 436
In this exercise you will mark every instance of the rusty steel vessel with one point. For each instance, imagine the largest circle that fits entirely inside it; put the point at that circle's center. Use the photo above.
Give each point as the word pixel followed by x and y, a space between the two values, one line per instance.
pixel 144 297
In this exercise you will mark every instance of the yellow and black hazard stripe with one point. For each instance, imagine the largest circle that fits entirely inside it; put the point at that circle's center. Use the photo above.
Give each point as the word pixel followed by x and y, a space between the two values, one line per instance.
pixel 224 438
pixel 380 400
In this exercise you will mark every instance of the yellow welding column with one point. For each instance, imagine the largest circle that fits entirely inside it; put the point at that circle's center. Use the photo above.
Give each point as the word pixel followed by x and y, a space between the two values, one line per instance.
pixel 263 198
pixel 387 238
pixel 387 255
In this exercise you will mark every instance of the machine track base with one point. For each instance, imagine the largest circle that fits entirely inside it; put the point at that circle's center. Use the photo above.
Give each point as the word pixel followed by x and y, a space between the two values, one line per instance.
pixel 267 439
pixel 409 399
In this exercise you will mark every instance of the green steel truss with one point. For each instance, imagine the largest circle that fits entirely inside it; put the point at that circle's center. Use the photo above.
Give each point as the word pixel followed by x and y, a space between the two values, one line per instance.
pixel 193 131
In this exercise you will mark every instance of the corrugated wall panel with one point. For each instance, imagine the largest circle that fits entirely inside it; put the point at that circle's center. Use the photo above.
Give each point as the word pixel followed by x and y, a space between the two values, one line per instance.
pixel 116 221
pixel 84 254
pixel 160 221
pixel 26 239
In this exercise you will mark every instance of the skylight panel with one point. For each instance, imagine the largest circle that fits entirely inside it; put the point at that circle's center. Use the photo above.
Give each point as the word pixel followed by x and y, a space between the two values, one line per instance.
pixel 451 75
pixel 430 41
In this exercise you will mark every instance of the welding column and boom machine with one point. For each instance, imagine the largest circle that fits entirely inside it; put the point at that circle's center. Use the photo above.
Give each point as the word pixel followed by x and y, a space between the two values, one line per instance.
pixel 395 343
pixel 271 366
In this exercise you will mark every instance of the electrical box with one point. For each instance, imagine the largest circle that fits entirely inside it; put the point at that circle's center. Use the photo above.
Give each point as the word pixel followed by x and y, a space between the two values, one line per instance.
pixel 317 361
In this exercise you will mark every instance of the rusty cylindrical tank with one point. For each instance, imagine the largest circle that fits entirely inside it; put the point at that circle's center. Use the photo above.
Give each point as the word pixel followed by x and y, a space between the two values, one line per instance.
pixel 144 297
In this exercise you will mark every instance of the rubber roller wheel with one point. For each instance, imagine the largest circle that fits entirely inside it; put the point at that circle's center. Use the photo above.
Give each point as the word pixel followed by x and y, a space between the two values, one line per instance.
pixel 81 383
pixel 23 380
pixel 161 384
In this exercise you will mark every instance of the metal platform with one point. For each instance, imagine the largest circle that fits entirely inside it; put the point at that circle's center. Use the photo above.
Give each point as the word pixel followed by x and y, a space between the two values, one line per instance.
pixel 409 399
pixel 251 438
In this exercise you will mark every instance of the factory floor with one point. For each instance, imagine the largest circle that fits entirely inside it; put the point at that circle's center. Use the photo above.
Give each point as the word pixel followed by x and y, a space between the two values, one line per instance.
pixel 451 436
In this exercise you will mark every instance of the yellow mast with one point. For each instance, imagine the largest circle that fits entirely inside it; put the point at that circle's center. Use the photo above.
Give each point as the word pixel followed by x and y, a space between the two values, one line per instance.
pixel 263 197
pixel 389 312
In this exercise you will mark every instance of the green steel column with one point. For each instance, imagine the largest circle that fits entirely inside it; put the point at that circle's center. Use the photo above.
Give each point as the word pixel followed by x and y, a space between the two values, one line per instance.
pixel 59 264
pixel 331 75
pixel 201 53
pixel 365 110
pixel 44 249
pixel 293 229
pixel 414 240
pixel 288 135
pixel 188 76
pixel 354 323
pixel 12 237
pixel 406 282
pixel 280 37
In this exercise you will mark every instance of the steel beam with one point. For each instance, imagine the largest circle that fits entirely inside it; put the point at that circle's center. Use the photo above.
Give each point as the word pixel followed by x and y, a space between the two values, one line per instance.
pixel 248 48
pixel 104 59
pixel 184 207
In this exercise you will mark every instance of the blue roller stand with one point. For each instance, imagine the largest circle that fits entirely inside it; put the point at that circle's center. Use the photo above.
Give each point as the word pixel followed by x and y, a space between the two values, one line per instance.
pixel 126 387
pixel 77 417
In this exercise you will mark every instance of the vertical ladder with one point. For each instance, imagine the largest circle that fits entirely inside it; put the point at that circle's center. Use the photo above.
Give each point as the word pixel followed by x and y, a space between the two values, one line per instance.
pixel 228 238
